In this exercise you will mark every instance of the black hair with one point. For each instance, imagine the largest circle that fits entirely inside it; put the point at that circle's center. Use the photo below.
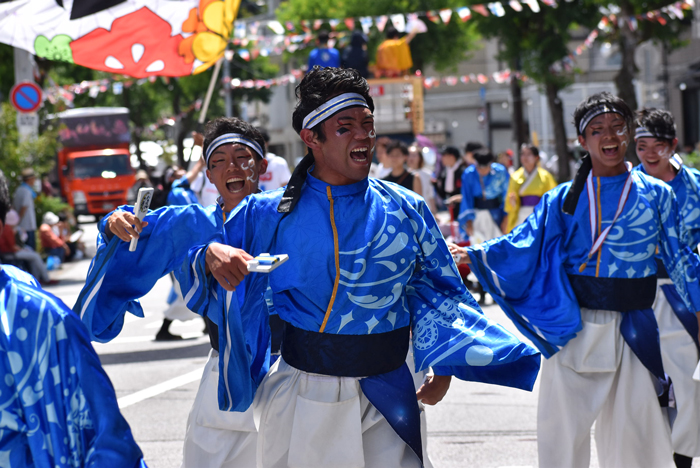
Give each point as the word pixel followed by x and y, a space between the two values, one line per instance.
pixel 472 146
pixel 322 84
pixel 323 37
pixel 5 205
pixel 397 144
pixel 483 156
pixel 533 149
pixel 453 151
pixel 217 127
pixel 600 99
pixel 658 122
pixel 391 32
pixel 264 133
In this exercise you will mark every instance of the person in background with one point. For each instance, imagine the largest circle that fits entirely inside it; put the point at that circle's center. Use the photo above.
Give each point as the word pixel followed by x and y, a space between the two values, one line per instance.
pixel 355 55
pixel 469 149
pixel 394 55
pixel 180 191
pixel 59 407
pixel 527 186
pixel 278 173
pixel 46 187
pixel 323 56
pixel 142 181
pixel 449 182
pixel 416 164
pixel 206 191
pixel 8 246
pixel 23 203
pixel 51 242
pixel 505 159
pixel 70 236
pixel 397 155
pixel 381 168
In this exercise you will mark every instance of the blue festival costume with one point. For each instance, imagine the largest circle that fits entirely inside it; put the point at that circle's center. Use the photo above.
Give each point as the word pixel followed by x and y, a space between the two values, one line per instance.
pixel 678 326
pixel 59 408
pixel 554 283
pixel 366 262
pixel 482 195
pixel 181 193
pixel 117 278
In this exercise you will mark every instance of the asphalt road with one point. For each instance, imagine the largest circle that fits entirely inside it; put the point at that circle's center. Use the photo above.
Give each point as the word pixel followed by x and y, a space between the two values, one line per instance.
pixel 476 425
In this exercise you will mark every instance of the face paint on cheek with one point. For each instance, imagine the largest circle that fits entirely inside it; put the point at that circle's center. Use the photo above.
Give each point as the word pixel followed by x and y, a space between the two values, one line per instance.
pixel 624 143
pixel 622 132
pixel 372 134
pixel 665 153
pixel 249 169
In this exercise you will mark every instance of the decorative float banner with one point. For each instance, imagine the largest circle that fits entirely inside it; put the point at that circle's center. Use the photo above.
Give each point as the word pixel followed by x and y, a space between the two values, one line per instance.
pixel 138 38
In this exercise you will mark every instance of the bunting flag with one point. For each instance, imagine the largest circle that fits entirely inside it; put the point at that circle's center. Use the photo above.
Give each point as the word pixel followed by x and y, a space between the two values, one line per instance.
pixel 399 22
pixel 380 22
pixel 446 14
pixel 464 13
pixel 138 38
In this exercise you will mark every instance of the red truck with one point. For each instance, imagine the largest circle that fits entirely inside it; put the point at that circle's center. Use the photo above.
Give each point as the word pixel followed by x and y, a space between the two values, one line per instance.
pixel 94 164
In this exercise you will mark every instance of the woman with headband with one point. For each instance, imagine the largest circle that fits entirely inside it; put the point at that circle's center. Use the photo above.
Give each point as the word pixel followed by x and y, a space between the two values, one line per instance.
pixel 368 271
pixel 233 151
pixel 655 140
pixel 579 280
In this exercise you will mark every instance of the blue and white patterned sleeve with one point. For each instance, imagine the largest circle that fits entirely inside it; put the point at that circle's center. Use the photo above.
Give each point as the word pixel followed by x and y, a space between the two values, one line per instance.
pixel 450 332
pixel 682 264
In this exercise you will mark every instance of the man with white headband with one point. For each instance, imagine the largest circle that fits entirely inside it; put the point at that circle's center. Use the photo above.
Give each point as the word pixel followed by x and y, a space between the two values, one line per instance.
pixel 366 262
pixel 234 161
pixel 579 279
pixel 656 141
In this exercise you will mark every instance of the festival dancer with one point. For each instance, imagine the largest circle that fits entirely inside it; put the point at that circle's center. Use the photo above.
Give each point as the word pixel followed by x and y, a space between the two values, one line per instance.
pixel 59 407
pixel 580 280
pixel 656 141
pixel 484 188
pixel 366 260
pixel 526 187
pixel 234 164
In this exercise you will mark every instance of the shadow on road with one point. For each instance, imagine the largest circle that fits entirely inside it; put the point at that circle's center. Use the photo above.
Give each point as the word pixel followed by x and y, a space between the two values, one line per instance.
pixel 196 351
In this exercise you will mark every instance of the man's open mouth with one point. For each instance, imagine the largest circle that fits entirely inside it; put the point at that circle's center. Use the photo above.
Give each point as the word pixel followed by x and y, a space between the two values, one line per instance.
pixel 360 154
pixel 610 150
pixel 235 184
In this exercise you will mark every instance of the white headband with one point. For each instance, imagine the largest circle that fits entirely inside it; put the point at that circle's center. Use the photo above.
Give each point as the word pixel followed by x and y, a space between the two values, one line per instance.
pixel 233 138
pixel 333 106
pixel 643 132
pixel 595 112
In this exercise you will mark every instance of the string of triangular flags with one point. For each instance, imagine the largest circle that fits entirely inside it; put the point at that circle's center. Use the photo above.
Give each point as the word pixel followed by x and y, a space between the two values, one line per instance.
pixel 253 40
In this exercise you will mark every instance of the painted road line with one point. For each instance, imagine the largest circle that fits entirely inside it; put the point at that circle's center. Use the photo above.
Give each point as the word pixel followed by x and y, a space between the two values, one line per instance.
pixel 156 390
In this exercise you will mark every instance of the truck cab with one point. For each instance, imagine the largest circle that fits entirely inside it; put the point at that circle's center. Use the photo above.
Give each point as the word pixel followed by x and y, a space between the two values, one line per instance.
pixel 94 163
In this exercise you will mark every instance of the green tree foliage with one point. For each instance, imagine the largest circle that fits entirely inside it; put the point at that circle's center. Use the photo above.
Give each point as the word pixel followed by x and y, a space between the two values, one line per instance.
pixel 444 46
pixel 38 154
pixel 538 44
pixel 629 38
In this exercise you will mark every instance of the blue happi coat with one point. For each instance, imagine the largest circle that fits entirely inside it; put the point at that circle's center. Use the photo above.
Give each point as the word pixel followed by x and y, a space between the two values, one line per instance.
pixel 495 185
pixel 395 271
pixel 181 193
pixel 686 187
pixel 118 278
pixel 58 407
pixel 527 270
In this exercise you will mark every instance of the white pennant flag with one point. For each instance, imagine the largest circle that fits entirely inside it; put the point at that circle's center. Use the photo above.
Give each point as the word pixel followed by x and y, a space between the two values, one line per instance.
pixel 534 6
pixel 366 23
pixel 446 14
pixel 399 22
pixel 515 5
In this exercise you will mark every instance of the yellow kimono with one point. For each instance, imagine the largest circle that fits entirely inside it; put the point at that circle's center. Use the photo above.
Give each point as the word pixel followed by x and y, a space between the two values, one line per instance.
pixel 524 192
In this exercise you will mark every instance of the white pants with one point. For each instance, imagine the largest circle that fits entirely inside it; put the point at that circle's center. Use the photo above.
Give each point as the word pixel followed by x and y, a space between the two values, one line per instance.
pixel 317 421
pixel 523 213
pixel 215 438
pixel 178 310
pixel 484 227
pixel 597 378
pixel 680 355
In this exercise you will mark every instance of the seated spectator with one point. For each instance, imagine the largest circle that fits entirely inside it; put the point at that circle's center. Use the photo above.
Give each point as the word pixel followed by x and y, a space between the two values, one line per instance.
pixel 59 407
pixel 70 235
pixel 10 249
pixel 51 242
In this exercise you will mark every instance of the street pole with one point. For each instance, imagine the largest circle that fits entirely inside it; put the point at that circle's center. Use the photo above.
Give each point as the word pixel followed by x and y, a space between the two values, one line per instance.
pixel 227 83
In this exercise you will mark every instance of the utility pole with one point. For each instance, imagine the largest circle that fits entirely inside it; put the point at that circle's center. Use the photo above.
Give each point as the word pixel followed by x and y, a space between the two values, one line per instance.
pixel 228 56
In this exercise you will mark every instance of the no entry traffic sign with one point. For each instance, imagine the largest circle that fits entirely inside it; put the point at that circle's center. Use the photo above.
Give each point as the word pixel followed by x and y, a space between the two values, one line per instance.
pixel 26 96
